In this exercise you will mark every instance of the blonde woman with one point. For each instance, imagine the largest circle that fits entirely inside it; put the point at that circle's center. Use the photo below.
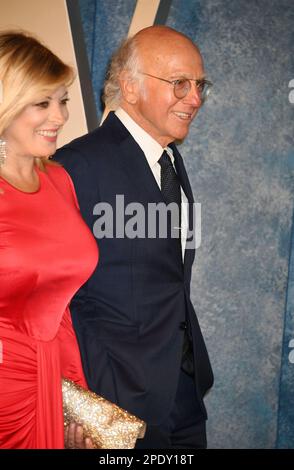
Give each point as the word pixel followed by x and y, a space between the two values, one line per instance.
pixel 46 250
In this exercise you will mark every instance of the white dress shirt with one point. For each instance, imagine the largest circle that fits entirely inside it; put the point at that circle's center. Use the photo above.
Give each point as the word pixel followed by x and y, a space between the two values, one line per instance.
pixel 153 151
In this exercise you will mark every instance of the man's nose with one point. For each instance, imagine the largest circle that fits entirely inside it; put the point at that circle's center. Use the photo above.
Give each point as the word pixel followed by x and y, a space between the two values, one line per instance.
pixel 193 97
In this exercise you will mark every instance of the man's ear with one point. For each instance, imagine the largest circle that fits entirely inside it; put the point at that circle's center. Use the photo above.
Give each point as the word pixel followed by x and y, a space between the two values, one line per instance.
pixel 129 87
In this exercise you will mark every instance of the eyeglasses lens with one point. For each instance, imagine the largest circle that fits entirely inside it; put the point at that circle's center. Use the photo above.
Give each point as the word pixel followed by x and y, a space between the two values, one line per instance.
pixel 182 88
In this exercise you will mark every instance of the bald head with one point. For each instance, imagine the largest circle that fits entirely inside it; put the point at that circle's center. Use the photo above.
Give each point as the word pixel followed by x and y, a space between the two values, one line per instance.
pixel 159 32
pixel 160 36
pixel 158 46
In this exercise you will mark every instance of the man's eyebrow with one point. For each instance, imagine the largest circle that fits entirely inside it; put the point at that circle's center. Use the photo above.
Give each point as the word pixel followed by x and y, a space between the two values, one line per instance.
pixel 179 76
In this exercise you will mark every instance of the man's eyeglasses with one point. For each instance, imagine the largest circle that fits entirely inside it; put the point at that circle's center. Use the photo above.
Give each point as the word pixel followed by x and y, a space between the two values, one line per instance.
pixel 182 86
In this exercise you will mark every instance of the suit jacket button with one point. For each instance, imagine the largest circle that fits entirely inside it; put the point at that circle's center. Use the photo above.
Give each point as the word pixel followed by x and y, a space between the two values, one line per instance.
pixel 183 325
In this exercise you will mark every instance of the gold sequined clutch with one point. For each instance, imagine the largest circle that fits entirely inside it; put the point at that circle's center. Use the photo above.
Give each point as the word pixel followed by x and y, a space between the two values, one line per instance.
pixel 108 425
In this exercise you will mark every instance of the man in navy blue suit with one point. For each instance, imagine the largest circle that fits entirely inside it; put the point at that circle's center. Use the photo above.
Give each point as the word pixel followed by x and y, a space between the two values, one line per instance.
pixel 140 340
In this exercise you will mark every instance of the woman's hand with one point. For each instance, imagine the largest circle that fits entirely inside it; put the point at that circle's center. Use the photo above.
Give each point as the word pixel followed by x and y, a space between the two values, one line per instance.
pixel 74 438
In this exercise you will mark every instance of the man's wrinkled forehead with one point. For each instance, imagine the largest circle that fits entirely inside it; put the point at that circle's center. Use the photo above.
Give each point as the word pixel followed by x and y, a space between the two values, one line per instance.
pixel 171 55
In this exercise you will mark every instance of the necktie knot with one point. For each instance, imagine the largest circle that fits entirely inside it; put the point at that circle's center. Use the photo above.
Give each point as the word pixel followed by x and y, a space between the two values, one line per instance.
pixel 165 160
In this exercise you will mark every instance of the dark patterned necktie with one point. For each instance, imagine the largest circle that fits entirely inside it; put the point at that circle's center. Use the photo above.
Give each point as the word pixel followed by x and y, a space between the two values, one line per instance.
pixel 170 184
pixel 171 190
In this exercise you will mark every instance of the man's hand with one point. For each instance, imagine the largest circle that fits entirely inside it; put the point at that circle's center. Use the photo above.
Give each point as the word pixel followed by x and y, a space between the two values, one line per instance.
pixel 74 438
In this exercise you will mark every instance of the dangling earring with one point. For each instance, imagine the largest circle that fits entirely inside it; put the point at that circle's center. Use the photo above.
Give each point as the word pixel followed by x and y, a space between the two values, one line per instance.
pixel 2 152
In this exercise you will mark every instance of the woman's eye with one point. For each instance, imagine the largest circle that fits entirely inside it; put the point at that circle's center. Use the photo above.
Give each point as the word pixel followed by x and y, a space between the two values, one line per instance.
pixel 64 101
pixel 43 104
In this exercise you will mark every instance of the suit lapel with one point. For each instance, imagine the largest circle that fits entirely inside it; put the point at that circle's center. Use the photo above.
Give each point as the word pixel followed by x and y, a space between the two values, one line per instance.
pixel 134 163
pixel 139 172
pixel 181 171
pixel 185 183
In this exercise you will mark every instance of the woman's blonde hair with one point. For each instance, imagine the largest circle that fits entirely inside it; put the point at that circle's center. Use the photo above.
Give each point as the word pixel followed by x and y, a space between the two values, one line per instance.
pixel 27 69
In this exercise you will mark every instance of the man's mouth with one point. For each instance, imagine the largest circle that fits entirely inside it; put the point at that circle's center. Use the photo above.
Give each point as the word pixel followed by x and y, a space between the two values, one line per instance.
pixel 184 116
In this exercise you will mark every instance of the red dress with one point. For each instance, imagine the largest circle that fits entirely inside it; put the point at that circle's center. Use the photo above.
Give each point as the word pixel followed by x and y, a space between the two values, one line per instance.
pixel 46 253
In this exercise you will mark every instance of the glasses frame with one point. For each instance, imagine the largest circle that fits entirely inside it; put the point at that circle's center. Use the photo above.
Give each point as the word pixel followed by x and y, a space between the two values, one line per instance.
pixel 197 82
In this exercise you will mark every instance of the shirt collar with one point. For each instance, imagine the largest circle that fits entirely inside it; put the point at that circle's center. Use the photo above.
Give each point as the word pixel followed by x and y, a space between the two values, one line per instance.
pixel 150 147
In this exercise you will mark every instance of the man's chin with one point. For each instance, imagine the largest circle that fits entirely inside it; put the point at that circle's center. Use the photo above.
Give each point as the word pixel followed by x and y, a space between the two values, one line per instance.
pixel 180 136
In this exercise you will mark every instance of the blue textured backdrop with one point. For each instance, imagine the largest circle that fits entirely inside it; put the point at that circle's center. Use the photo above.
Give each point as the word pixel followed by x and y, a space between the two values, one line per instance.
pixel 285 437
pixel 105 23
pixel 240 159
